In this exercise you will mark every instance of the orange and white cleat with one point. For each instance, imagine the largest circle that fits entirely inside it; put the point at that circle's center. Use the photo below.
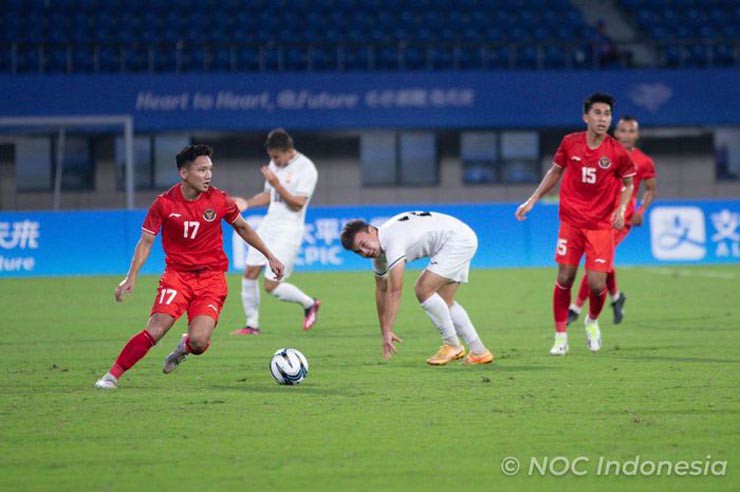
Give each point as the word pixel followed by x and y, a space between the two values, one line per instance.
pixel 445 354
pixel 473 359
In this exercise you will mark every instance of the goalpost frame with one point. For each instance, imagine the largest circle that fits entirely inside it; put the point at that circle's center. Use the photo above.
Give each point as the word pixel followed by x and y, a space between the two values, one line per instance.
pixel 63 122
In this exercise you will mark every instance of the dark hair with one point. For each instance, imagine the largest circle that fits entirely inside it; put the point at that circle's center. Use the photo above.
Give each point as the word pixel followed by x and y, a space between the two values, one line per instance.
pixel 278 139
pixel 350 230
pixel 192 152
pixel 628 117
pixel 598 97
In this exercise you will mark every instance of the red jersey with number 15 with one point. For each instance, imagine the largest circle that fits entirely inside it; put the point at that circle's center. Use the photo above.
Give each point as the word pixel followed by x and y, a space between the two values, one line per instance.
pixel 191 230
pixel 592 180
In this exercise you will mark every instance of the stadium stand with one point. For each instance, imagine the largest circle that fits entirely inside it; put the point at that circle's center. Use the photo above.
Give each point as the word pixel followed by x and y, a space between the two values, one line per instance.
pixel 164 36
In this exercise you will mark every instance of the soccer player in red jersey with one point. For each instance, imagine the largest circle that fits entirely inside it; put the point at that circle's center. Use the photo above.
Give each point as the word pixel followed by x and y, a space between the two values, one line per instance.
pixel 189 215
pixel 592 165
pixel 627 132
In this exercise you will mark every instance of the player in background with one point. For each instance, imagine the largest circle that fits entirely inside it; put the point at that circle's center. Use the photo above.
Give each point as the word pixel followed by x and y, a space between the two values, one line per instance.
pixel 189 215
pixel 450 246
pixel 627 132
pixel 290 180
pixel 592 164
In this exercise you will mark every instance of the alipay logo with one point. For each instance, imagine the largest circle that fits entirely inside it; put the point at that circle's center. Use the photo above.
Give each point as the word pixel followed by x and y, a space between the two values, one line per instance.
pixel 678 233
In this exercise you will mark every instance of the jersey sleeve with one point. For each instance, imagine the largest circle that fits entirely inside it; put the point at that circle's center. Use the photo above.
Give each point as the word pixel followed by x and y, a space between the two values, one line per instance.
pixel 154 217
pixel 306 181
pixel 626 167
pixel 649 169
pixel 231 211
pixel 380 266
pixel 561 155
pixel 394 253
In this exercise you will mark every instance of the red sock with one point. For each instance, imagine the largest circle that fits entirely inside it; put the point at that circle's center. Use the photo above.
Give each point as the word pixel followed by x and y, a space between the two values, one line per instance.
pixel 596 303
pixel 133 352
pixel 611 282
pixel 583 291
pixel 560 304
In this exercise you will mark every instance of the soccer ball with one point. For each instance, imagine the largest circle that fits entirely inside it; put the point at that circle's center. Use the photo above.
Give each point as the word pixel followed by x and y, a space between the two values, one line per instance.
pixel 288 366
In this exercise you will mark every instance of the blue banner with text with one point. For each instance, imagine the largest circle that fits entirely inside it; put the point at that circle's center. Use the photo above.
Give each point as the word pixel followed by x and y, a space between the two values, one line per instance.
pixel 92 243
pixel 504 99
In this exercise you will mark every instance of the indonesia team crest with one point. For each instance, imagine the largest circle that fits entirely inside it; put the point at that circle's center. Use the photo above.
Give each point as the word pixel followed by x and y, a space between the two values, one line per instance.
pixel 209 215
pixel 604 162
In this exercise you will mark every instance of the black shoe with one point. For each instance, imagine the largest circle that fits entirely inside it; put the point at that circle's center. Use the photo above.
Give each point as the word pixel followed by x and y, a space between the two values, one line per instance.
pixel 572 315
pixel 618 307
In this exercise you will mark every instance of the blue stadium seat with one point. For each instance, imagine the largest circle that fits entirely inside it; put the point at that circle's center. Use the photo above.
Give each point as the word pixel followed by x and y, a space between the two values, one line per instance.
pixel 56 59
pixel 442 57
pixel 357 57
pixel 222 59
pixel 135 59
pixel 83 59
pixel 323 58
pixel 248 59
pixel 109 58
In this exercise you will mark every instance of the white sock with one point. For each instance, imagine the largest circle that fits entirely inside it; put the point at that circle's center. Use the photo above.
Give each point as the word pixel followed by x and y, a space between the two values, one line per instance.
pixel 251 302
pixel 437 310
pixel 464 327
pixel 290 293
pixel 616 295
pixel 575 308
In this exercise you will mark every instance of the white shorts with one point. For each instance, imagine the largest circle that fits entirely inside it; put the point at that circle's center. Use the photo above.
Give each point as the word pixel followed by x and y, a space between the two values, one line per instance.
pixel 283 244
pixel 453 260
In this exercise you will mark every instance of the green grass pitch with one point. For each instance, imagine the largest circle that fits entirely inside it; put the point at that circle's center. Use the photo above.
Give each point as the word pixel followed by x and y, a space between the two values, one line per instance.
pixel 666 386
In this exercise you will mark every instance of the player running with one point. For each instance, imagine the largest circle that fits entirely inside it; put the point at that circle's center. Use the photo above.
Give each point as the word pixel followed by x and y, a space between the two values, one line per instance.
pixel 592 164
pixel 450 246
pixel 627 132
pixel 189 215
pixel 290 180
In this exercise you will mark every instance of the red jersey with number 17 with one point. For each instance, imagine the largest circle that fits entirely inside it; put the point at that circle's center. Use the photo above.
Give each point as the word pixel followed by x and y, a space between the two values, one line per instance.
pixel 592 180
pixel 191 230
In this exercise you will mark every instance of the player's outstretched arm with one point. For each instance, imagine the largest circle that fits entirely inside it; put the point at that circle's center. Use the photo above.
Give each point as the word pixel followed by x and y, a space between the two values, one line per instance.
pixel 295 202
pixel 252 238
pixel 647 199
pixel 258 200
pixel 624 198
pixel 391 304
pixel 141 253
pixel 548 183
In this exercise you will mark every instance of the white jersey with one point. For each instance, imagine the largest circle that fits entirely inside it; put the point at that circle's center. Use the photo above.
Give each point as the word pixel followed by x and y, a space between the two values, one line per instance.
pixel 412 235
pixel 299 177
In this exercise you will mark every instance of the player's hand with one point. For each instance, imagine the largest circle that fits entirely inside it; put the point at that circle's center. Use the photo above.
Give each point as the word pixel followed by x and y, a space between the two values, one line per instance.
pixel 277 267
pixel 637 219
pixel 270 176
pixel 241 203
pixel 124 288
pixel 523 210
pixel 388 340
pixel 618 219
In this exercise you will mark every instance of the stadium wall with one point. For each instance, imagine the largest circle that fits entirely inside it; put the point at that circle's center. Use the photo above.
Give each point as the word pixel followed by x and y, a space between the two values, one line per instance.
pixel 101 242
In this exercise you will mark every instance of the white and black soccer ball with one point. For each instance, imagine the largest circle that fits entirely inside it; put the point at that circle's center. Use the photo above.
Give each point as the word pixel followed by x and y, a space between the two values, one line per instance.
pixel 288 366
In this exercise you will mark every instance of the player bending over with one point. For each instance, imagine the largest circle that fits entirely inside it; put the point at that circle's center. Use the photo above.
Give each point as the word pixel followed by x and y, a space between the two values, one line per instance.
pixel 450 246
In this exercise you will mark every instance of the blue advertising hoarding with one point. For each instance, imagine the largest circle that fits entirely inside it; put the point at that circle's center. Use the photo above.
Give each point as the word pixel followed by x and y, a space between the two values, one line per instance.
pixel 90 243
pixel 506 99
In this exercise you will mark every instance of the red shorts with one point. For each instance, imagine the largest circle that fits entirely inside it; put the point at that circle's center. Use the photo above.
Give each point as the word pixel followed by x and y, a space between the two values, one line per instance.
pixel 598 244
pixel 200 294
